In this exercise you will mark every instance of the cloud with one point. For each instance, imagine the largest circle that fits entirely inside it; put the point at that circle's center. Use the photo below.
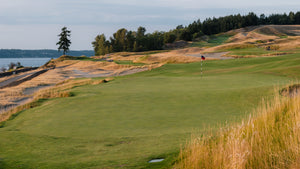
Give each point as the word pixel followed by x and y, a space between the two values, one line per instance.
pixel 97 12
pixel 200 4
pixel 41 20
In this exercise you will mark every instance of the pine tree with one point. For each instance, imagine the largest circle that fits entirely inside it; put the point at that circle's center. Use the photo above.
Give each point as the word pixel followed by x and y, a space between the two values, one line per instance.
pixel 101 45
pixel 64 41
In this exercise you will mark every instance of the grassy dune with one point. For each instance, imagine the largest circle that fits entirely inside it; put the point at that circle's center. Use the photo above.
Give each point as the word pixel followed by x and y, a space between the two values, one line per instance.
pixel 133 119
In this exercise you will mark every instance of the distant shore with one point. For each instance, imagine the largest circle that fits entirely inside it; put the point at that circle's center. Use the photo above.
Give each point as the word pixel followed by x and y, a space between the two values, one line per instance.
pixel 41 53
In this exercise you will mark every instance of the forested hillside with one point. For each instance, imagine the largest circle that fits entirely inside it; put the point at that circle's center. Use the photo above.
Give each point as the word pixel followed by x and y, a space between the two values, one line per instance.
pixel 124 40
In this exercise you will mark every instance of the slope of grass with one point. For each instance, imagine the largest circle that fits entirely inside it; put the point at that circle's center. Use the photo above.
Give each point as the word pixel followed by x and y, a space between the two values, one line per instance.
pixel 128 62
pixel 213 40
pixel 256 52
pixel 133 119
pixel 270 140
pixel 250 51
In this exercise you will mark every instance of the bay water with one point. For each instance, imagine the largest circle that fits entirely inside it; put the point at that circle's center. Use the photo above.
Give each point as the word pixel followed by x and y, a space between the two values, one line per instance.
pixel 26 62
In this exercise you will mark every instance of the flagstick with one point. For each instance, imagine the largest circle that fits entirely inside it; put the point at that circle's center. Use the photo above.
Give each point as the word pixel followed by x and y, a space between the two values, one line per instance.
pixel 201 68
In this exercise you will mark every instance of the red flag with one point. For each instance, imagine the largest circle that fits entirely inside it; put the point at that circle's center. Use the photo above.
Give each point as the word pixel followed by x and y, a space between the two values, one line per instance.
pixel 202 57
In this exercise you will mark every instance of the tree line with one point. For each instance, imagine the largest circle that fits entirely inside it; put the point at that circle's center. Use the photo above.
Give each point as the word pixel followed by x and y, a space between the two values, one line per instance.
pixel 136 41
pixel 124 40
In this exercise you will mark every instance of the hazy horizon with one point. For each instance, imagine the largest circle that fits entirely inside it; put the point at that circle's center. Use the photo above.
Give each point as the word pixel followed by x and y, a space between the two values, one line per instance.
pixel 34 24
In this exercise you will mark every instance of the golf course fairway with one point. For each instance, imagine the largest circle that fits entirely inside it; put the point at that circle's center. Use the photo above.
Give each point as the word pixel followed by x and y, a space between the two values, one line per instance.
pixel 136 118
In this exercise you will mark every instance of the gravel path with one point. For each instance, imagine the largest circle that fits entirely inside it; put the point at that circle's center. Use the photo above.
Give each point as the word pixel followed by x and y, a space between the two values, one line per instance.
pixel 15 81
pixel 16 78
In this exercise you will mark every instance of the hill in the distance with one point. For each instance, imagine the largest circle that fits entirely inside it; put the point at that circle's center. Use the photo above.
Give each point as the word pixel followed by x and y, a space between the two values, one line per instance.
pixel 43 53
pixel 275 37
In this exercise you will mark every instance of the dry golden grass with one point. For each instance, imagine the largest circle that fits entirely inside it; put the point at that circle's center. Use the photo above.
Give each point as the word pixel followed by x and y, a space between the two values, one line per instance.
pixel 280 30
pixel 270 35
pixel 64 69
pixel 168 57
pixel 268 139
pixel 9 95
pixel 7 114
pixel 270 30
pixel 263 55
pixel 60 90
pixel 154 66
pixel 289 43
pixel 4 78
pixel 175 56
pixel 63 89
pixel 119 56
pixel 227 46
pixel 249 37
pixel 88 66
pixel 191 50
pixel 276 30
pixel 13 92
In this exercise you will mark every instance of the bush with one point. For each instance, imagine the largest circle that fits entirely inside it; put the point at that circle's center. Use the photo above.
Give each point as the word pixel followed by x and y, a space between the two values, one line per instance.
pixel 2 69
pixel 12 65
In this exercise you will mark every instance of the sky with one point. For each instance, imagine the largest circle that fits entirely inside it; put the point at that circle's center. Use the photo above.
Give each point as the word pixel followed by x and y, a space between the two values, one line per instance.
pixel 35 24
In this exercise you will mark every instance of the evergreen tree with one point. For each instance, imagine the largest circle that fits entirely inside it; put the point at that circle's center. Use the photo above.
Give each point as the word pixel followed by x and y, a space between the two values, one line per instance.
pixel 64 41
pixel 120 40
pixel 297 18
pixel 169 37
pixel 291 18
pixel 101 45
pixel 140 40
pixel 130 39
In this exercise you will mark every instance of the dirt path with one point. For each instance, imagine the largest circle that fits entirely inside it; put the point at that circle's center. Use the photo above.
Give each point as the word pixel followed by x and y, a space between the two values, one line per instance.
pixel 16 81
pixel 13 79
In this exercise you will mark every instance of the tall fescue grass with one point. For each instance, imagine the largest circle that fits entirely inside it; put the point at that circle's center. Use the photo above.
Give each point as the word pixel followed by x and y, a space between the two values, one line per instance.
pixel 63 89
pixel 270 138
pixel 5 115
pixel 60 90
pixel 8 95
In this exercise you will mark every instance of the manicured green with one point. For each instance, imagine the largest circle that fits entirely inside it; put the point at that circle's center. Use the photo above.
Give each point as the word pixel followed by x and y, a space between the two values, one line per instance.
pixel 133 119
pixel 213 40
pixel 82 58
pixel 128 62
pixel 125 54
pixel 256 51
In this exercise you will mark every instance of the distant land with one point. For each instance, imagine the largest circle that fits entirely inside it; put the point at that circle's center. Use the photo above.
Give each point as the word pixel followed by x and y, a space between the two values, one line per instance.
pixel 42 53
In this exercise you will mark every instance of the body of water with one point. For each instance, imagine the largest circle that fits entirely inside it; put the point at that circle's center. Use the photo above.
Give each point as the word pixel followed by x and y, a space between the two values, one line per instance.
pixel 26 62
